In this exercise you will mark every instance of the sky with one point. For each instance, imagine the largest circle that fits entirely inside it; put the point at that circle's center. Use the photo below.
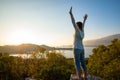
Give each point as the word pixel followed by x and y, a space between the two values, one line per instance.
pixel 48 21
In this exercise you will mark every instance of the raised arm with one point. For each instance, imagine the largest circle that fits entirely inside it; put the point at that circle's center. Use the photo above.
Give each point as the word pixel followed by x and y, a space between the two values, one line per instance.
pixel 85 18
pixel 72 18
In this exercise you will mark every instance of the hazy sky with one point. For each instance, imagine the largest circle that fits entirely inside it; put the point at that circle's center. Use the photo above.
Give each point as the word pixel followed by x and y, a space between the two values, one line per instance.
pixel 48 21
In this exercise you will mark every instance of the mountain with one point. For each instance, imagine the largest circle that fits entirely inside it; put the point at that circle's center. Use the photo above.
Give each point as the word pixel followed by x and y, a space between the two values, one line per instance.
pixel 94 43
pixel 102 41
pixel 47 47
pixel 23 48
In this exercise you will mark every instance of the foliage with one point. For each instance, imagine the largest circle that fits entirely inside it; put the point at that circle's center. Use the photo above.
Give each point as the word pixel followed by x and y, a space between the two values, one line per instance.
pixel 54 67
pixel 105 61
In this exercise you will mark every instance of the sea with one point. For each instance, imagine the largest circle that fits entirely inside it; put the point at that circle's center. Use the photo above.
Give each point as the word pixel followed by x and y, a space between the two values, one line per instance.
pixel 66 53
pixel 69 53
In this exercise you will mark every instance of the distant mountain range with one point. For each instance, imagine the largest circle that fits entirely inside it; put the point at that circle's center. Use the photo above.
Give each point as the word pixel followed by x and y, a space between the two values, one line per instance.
pixel 102 41
pixel 23 48
pixel 28 48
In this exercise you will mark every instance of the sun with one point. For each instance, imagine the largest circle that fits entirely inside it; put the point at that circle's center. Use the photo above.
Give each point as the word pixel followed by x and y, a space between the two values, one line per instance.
pixel 21 36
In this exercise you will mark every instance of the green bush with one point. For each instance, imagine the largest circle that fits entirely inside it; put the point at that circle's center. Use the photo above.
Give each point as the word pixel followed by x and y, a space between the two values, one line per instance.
pixel 53 67
pixel 105 61
pixel 56 67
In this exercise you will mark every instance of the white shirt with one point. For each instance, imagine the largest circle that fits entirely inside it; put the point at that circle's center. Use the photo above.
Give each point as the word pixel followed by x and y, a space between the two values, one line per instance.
pixel 78 38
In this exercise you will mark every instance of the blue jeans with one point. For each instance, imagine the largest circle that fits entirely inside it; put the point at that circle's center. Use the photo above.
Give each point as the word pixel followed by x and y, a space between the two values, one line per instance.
pixel 79 59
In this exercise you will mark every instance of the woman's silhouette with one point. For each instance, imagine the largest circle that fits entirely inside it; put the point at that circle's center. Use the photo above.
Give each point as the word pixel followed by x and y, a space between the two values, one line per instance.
pixel 78 46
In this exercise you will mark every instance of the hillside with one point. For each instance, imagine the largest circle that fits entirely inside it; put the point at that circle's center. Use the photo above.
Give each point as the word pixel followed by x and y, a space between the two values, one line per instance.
pixel 102 41
pixel 93 43
pixel 23 48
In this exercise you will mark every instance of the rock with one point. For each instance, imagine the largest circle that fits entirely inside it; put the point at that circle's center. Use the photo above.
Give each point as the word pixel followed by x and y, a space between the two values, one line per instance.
pixel 89 77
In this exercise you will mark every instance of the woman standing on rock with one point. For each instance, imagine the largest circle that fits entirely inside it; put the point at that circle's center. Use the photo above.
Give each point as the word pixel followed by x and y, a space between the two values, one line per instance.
pixel 78 46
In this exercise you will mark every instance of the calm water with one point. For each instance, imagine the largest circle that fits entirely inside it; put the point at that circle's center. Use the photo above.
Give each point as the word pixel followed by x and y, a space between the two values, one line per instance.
pixel 66 53
pixel 69 53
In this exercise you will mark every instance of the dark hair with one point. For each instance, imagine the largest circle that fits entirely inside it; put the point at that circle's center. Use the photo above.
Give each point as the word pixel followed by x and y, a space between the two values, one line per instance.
pixel 79 24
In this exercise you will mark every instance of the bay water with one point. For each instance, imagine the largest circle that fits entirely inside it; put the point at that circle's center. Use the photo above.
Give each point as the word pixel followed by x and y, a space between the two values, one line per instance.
pixel 66 53
pixel 69 53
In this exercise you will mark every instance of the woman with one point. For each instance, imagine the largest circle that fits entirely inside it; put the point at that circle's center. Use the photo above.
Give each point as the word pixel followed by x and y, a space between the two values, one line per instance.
pixel 78 46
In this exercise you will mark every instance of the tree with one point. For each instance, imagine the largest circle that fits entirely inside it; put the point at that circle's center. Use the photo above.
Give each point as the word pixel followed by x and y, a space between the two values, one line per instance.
pixel 56 67
pixel 105 61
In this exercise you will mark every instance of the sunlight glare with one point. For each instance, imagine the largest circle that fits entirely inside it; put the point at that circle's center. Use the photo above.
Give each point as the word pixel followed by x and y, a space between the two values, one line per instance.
pixel 21 36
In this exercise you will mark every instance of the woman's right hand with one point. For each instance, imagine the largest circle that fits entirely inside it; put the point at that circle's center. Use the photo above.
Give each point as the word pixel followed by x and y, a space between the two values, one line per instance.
pixel 85 16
